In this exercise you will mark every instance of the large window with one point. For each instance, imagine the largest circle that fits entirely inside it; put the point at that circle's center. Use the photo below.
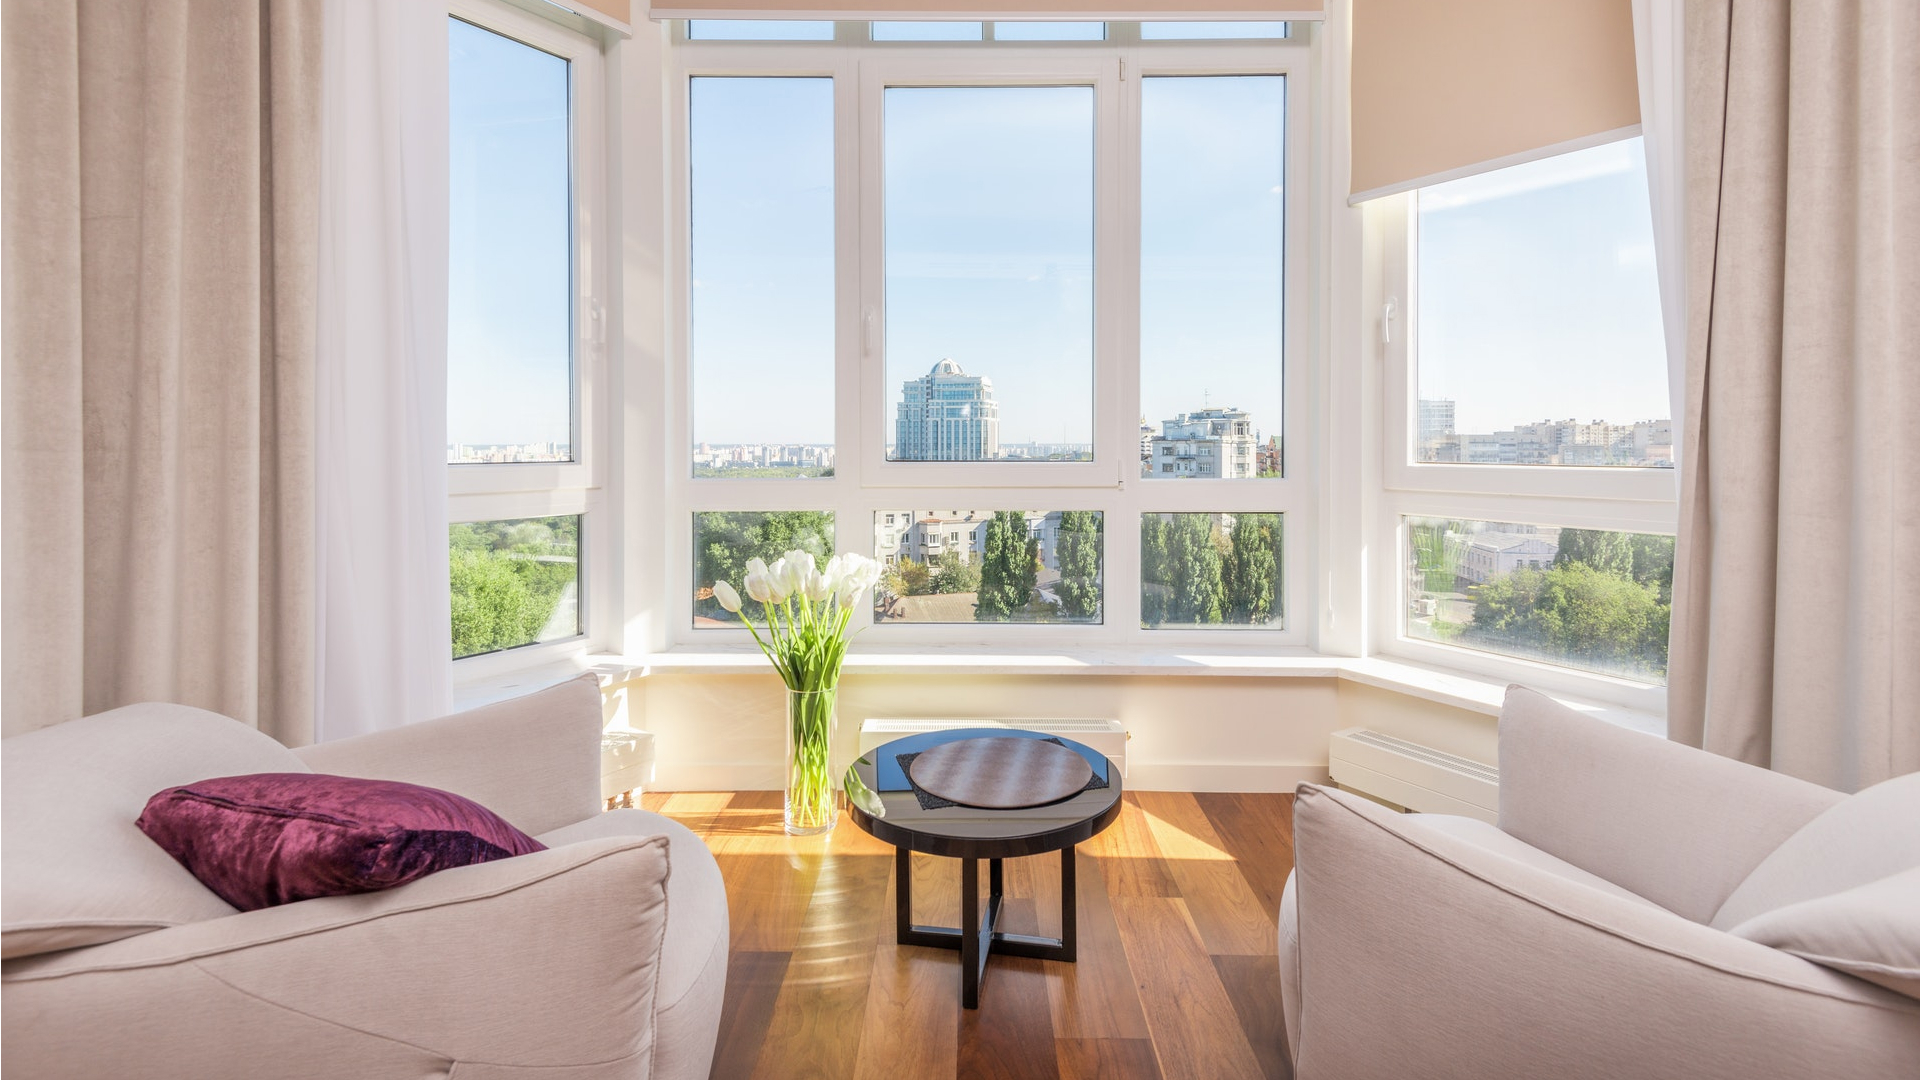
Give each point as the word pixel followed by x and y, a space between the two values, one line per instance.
pixel 1530 480
pixel 1008 271
pixel 989 272
pixel 524 331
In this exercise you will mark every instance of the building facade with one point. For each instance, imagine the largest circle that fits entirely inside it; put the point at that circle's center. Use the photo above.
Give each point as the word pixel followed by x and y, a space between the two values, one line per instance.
pixel 947 415
pixel 1207 443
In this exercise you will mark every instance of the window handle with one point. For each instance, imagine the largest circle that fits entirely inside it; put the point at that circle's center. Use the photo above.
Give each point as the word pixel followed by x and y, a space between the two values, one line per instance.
pixel 866 333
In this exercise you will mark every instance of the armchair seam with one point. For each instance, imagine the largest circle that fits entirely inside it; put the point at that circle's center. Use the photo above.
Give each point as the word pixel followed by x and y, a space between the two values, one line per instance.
pixel 1608 930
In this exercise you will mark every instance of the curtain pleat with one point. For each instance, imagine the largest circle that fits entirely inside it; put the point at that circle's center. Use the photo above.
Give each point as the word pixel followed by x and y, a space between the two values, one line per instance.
pixel 1797 581
pixel 159 425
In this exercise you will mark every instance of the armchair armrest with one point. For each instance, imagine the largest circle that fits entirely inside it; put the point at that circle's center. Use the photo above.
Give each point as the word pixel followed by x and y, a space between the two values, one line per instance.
pixel 534 760
pixel 1679 826
pixel 1421 954
pixel 540 961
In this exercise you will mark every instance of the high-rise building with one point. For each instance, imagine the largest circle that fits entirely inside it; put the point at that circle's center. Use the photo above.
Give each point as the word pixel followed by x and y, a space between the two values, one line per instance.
pixel 1208 443
pixel 947 415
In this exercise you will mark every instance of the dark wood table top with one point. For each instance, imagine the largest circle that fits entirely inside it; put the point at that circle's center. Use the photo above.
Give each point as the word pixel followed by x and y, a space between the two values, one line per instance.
pixel 881 800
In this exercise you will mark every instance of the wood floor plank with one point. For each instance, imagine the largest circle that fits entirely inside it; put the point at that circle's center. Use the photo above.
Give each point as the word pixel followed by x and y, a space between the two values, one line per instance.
pixel 1106 1059
pixel 1196 1033
pixel 1010 1036
pixel 818 1018
pixel 769 875
pixel 1129 855
pixel 1253 985
pixel 753 985
pixel 1096 997
pixel 909 1030
pixel 1257 830
pixel 1230 918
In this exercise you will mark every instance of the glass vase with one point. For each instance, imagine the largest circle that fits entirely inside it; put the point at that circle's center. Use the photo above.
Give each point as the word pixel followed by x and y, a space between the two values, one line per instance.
pixel 812 804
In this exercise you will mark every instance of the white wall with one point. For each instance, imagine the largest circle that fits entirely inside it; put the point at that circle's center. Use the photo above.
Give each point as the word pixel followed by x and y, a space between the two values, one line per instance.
pixel 1211 733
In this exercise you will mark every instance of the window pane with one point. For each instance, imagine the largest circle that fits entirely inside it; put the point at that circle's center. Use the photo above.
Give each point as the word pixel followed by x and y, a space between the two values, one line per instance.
pixel 762 239
pixel 1212 163
pixel 956 566
pixel 926 31
pixel 1540 340
pixel 1049 31
pixel 510 251
pixel 1170 31
pixel 724 540
pixel 989 273
pixel 1211 570
pixel 514 582
pixel 1580 598
pixel 758 30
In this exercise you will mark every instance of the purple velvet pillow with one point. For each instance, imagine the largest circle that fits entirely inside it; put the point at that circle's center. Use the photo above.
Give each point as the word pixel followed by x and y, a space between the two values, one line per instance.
pixel 274 838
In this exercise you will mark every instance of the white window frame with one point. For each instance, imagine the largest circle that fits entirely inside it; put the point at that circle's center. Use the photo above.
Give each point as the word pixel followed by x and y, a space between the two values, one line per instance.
pixel 864 482
pixel 492 492
pixel 1628 499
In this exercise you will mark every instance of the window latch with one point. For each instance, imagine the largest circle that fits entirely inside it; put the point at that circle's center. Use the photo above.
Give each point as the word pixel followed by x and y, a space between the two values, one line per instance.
pixel 1386 320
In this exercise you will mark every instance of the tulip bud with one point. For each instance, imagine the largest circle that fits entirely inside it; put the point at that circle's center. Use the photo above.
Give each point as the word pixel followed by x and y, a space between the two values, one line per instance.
pixel 724 593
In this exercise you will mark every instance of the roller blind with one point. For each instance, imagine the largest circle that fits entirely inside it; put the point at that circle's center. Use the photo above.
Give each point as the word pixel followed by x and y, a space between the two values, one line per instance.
pixel 1442 90
pixel 1264 10
pixel 616 13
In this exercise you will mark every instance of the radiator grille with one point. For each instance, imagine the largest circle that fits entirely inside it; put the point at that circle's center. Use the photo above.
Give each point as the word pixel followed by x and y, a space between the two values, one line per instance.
pixel 1437 758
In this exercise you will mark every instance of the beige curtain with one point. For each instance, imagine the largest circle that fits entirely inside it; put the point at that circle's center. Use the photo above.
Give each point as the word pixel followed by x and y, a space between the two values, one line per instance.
pixel 160 174
pixel 1796 631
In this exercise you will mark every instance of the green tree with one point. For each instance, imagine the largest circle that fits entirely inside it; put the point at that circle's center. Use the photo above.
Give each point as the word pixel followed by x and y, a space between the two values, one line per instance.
pixel 1006 568
pixel 506 579
pixel 957 574
pixel 909 578
pixel 1154 588
pixel 1576 613
pixel 1606 551
pixel 1078 549
pixel 1194 569
pixel 726 540
pixel 1653 562
pixel 1252 573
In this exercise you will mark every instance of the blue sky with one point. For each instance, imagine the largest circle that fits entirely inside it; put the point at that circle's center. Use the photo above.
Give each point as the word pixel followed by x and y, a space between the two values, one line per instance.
pixel 1538 296
pixel 1538 288
pixel 509 296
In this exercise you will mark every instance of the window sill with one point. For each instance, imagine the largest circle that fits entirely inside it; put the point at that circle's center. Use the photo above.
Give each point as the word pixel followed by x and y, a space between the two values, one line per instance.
pixel 1481 694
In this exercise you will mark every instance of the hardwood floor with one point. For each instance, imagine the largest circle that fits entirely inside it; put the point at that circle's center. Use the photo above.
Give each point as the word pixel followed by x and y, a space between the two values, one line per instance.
pixel 1176 977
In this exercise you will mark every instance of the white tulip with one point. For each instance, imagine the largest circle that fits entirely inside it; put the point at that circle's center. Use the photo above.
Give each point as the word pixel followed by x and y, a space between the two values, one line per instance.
pixel 757 566
pixel 757 588
pixel 799 564
pixel 837 568
pixel 849 590
pixel 818 587
pixel 724 593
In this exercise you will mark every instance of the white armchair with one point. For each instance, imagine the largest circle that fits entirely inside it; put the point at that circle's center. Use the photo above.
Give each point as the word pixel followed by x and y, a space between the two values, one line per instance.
pixel 1593 934
pixel 603 957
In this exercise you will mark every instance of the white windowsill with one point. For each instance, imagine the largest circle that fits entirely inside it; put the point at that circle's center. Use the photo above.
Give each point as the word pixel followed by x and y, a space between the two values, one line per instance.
pixel 1461 690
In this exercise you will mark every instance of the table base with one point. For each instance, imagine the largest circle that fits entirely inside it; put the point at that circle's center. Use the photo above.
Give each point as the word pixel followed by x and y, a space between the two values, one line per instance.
pixel 974 938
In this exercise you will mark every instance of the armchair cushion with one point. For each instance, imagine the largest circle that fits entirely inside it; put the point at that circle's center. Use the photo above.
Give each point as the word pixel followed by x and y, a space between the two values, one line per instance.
pixel 1871 930
pixel 1858 840
pixel 278 838
pixel 78 870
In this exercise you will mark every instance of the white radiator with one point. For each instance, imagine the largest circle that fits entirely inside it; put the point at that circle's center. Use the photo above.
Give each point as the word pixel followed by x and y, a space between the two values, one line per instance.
pixel 1414 776
pixel 1106 736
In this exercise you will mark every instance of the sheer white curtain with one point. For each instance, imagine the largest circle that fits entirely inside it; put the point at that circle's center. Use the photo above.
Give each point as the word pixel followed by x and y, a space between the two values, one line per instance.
pixel 1658 62
pixel 381 393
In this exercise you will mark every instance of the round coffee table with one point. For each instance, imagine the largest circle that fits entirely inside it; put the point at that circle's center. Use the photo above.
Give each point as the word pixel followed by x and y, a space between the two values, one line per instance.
pixel 882 799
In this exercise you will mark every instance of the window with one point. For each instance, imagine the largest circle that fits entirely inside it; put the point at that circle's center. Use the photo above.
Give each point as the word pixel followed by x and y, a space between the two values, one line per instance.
pixel 1023 566
pixel 1530 488
pixel 1540 333
pixel 759 30
pixel 524 338
pixel 1175 31
pixel 1211 244
pixel 762 238
pixel 989 272
pixel 514 583
pixel 1594 599
pixel 989 377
